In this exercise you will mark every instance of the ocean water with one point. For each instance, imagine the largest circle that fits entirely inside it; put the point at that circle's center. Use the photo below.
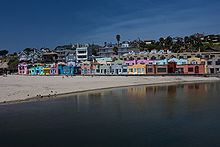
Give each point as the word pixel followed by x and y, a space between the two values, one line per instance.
pixel 171 115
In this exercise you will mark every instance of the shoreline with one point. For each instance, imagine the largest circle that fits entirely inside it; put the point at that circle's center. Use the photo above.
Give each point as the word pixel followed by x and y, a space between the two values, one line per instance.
pixel 158 81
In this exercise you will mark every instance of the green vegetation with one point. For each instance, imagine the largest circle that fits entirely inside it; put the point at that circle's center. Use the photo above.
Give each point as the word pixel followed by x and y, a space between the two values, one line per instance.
pixel 118 38
pixel 193 43
pixel 3 53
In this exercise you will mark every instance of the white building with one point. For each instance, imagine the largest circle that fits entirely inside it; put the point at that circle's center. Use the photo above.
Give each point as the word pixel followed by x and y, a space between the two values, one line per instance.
pixel 83 54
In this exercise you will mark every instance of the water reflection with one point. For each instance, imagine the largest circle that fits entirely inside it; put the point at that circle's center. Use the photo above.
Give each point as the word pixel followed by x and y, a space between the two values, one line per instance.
pixel 142 98
pixel 168 115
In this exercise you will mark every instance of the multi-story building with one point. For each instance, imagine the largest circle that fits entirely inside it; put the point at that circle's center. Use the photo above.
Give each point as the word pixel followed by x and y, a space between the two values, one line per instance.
pixel 83 54
pixel 106 52
pixel 64 51
pixel 214 65
pixel 30 55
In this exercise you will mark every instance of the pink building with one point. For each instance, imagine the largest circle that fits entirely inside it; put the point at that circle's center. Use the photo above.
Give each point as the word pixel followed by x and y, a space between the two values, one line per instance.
pixel 88 68
pixel 54 70
pixel 146 62
pixel 23 69
pixel 130 62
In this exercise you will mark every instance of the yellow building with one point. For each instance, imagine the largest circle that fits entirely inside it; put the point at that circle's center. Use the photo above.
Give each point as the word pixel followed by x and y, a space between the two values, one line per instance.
pixel 46 71
pixel 137 69
pixel 196 60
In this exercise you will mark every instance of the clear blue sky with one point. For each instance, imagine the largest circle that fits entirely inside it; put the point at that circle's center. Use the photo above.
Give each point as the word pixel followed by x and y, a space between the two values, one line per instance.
pixel 47 23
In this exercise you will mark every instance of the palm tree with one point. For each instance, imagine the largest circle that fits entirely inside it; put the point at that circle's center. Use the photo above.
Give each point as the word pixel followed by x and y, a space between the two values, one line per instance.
pixel 118 38
pixel 161 42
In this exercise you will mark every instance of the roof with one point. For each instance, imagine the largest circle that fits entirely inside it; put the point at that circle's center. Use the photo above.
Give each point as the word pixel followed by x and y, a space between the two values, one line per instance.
pixel 4 65
pixel 51 53
pixel 104 59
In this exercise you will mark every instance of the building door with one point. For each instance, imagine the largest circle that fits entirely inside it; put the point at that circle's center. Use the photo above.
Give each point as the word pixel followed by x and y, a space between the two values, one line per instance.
pixel 197 69
pixel 212 70
pixel 171 67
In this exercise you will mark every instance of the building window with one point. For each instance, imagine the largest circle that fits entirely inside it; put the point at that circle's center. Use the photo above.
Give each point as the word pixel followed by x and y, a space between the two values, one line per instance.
pixel 150 70
pixel 139 70
pixel 190 69
pixel 194 62
pixel 142 70
pixel 209 62
pixel 161 70
pixel 180 70
pixel 217 62
pixel 131 70
pixel 135 70
pixel 125 70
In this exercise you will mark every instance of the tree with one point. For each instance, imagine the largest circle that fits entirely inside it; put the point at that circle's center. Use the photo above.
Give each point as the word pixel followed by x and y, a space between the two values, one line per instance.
pixel 118 38
pixel 161 42
pixel 3 53
pixel 115 49
pixel 168 42
pixel 95 49
pixel 13 64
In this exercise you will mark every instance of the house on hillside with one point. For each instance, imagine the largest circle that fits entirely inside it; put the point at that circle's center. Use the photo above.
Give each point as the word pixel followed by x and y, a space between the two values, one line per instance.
pixel 33 55
pixel 50 57
pixel 106 52
pixel 83 54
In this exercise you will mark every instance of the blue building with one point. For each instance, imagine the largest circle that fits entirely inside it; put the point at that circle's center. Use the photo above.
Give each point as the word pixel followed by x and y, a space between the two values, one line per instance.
pixel 66 70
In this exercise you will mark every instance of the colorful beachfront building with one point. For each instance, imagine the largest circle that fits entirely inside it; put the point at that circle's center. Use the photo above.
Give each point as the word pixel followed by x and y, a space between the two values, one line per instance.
pixel 88 68
pixel 178 61
pixel 23 69
pixel 103 66
pixel 37 69
pixel 213 65
pixel 160 62
pixel 137 69
pixel 130 62
pixel 146 62
pixel 191 69
pixel 118 67
pixel 66 70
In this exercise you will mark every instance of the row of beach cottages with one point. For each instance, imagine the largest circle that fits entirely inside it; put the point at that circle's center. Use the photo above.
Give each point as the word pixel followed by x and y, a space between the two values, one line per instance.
pixel 46 69
pixel 105 66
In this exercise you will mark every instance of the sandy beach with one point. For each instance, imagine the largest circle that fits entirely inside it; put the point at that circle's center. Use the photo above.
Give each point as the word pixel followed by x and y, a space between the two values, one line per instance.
pixel 16 88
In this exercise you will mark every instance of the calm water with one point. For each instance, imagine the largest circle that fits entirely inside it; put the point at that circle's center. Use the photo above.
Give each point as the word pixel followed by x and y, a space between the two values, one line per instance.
pixel 175 115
